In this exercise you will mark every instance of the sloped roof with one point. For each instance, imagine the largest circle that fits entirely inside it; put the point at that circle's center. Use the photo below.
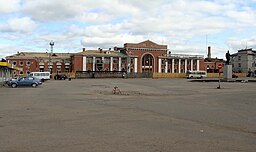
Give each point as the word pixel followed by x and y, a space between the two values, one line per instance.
pixel 39 55
pixel 145 44
pixel 99 53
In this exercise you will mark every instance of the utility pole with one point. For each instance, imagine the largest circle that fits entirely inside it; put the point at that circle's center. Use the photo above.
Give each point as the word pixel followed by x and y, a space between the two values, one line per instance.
pixel 50 56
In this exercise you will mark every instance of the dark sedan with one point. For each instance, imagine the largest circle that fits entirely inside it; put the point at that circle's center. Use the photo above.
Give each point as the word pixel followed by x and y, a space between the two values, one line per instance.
pixel 25 81
pixel 60 77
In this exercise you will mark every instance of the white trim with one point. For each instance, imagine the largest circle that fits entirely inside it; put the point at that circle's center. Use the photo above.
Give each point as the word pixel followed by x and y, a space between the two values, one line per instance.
pixel 159 65
pixel 84 63
pixel 135 65
pixel 93 63
pixel 166 66
pixel 197 65
pixel 119 63
pixel 186 65
pixel 111 63
pixel 179 66
pixel 172 65
pixel 191 65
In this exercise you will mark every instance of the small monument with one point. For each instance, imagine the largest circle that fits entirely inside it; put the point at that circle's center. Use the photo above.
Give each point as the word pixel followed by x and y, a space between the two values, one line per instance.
pixel 227 68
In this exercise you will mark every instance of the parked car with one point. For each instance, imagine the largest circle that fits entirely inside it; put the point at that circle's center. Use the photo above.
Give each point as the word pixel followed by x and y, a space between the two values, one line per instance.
pixel 60 77
pixel 234 76
pixel 24 81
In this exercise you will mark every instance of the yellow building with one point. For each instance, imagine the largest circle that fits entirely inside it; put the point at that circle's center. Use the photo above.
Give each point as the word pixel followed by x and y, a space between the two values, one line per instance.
pixel 6 71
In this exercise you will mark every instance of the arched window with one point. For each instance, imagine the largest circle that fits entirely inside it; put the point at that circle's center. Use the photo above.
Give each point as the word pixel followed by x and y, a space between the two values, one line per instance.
pixel 147 63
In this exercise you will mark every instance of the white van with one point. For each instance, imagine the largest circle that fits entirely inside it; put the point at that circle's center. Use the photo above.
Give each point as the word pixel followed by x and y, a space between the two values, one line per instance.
pixel 196 74
pixel 41 75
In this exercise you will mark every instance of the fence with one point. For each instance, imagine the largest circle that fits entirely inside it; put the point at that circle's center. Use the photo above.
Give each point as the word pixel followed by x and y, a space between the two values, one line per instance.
pixel 183 75
pixel 169 75
pixel 124 74
pixel 111 74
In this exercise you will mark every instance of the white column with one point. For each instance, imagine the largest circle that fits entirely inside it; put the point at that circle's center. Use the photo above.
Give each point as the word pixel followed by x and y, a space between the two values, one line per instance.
pixel 179 65
pixel 128 61
pixel 129 67
pixel 111 63
pixel 197 65
pixel 103 63
pixel 135 65
pixel 186 65
pixel 172 65
pixel 84 63
pixel 119 63
pixel 159 65
pixel 93 63
pixel 166 66
pixel 191 65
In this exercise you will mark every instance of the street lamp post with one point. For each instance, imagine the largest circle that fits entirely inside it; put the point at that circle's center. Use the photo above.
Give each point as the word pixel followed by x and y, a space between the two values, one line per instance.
pixel 50 55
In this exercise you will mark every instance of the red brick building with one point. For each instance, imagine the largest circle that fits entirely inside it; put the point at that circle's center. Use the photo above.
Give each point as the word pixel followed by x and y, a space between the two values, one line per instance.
pixel 35 61
pixel 145 56
pixel 211 64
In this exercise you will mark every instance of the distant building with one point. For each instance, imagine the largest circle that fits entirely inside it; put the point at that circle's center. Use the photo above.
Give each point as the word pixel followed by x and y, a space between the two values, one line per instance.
pixel 152 57
pixel 98 60
pixel 6 70
pixel 244 60
pixel 145 56
pixel 37 61
pixel 211 64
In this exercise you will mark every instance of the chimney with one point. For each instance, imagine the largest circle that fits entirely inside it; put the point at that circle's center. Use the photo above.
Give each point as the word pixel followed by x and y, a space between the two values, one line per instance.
pixel 209 52
pixel 100 50
pixel 83 49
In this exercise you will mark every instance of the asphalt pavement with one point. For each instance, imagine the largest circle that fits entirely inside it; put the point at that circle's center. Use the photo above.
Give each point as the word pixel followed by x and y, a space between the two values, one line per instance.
pixel 147 115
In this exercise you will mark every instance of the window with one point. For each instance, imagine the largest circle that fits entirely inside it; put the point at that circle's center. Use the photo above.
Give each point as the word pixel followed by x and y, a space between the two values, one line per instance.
pixel 21 72
pixel 99 60
pixel 239 65
pixel 123 60
pixel 132 60
pixel 28 72
pixel 21 63
pixel 28 62
pixel 14 62
pixel 115 60
pixel 239 58
pixel 89 60
pixel 106 60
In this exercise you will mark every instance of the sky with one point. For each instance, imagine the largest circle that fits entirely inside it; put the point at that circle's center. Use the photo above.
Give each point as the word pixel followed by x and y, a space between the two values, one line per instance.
pixel 186 26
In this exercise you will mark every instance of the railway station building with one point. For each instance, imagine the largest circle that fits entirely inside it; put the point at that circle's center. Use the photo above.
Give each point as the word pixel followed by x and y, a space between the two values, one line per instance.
pixel 143 57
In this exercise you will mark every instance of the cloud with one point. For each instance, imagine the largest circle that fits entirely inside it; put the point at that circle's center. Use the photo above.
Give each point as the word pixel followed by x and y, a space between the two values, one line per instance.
pixel 24 24
pixel 54 10
pixel 102 23
pixel 80 10
pixel 105 43
pixel 237 44
pixel 8 6
pixel 6 50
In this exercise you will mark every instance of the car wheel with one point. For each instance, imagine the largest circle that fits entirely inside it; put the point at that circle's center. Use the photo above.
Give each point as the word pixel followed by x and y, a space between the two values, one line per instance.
pixel 34 85
pixel 14 85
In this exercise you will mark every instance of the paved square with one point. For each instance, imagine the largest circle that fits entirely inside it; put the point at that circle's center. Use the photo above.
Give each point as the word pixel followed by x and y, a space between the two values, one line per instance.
pixel 150 115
